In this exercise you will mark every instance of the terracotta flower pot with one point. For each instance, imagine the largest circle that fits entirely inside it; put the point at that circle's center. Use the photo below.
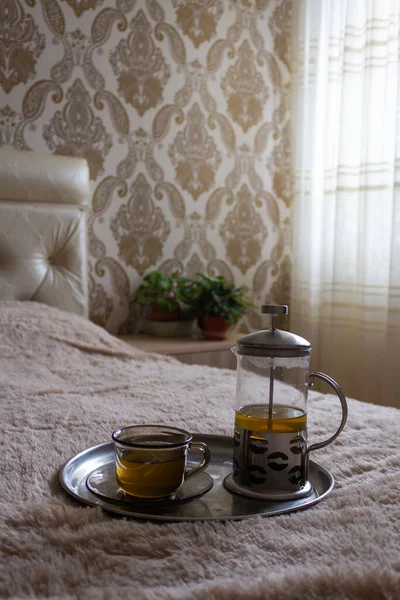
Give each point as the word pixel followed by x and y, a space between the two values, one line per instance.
pixel 162 315
pixel 214 328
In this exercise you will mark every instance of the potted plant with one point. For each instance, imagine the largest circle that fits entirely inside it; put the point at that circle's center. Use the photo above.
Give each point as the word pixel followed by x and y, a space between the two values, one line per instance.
pixel 171 303
pixel 221 305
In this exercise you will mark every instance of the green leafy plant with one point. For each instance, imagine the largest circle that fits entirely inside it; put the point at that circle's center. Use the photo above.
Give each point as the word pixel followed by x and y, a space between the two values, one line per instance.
pixel 221 298
pixel 169 293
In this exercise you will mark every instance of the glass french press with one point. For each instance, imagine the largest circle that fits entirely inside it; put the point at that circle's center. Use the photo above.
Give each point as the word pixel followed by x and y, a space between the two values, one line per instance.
pixel 270 457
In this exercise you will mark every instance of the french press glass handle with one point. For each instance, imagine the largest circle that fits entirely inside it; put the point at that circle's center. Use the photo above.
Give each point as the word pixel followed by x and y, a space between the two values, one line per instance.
pixel 343 403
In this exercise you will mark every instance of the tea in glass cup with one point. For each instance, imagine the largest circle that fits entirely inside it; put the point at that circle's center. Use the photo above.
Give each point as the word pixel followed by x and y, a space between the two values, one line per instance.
pixel 151 460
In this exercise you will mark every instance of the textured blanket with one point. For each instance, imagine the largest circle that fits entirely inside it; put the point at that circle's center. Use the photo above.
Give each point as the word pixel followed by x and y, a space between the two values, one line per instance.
pixel 65 385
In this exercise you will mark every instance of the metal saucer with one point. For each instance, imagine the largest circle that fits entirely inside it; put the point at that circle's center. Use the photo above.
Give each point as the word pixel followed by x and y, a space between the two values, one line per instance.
pixel 103 482
pixel 216 505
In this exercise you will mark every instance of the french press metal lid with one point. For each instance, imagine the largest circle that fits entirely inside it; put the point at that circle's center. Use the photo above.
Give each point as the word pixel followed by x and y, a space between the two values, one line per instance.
pixel 273 342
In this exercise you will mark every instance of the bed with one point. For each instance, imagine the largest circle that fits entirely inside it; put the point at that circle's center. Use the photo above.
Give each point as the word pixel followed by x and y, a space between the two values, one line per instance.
pixel 66 384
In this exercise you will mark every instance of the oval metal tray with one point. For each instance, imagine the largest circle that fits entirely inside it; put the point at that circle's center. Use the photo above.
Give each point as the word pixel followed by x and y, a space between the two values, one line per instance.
pixel 217 505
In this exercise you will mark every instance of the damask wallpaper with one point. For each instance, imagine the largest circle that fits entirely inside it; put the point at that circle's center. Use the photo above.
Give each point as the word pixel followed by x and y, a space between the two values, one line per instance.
pixel 181 108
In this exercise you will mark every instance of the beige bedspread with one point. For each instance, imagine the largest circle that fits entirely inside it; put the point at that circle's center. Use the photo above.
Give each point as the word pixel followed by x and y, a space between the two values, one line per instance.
pixel 66 384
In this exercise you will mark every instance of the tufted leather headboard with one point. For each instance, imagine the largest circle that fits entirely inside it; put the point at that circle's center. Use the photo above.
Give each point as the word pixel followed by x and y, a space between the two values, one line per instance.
pixel 43 245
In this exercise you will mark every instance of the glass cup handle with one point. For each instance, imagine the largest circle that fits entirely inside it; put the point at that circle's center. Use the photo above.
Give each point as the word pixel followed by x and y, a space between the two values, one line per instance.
pixel 343 402
pixel 204 463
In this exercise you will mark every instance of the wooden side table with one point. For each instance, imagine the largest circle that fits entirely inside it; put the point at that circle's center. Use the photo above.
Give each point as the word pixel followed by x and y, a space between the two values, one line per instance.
pixel 197 350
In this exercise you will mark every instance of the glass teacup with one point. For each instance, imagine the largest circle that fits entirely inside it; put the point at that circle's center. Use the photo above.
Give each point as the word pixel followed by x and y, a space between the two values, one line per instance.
pixel 151 460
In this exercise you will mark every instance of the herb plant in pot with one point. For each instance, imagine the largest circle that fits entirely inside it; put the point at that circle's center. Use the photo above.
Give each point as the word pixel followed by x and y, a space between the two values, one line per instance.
pixel 222 304
pixel 170 302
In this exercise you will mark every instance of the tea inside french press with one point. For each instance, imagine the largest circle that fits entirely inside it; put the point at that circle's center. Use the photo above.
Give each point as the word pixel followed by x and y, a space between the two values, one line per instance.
pixel 270 456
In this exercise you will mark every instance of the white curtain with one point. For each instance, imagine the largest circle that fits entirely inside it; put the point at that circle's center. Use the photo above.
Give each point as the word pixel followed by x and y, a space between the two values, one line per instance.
pixel 346 205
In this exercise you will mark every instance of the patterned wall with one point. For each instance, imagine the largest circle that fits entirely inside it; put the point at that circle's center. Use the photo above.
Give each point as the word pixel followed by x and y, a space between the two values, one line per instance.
pixel 181 108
